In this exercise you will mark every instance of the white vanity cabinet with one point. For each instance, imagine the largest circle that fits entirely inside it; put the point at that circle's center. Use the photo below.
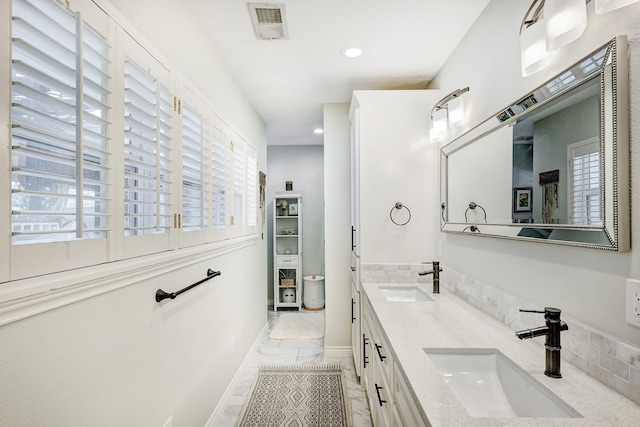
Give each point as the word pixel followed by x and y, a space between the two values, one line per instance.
pixel 390 400
pixel 378 371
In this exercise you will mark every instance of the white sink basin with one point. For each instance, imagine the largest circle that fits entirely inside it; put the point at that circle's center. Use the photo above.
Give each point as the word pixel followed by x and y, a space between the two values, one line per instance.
pixel 488 384
pixel 404 294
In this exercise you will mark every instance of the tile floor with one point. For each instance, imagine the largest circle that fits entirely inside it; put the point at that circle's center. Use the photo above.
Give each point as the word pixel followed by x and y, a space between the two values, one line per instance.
pixel 292 352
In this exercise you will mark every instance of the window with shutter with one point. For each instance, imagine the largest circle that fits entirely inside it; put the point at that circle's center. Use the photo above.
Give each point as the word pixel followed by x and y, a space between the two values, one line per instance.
pixel 60 144
pixel 585 182
pixel 59 125
pixel 71 188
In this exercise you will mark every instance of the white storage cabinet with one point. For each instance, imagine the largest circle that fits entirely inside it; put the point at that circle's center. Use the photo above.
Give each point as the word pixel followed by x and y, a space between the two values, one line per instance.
pixel 287 249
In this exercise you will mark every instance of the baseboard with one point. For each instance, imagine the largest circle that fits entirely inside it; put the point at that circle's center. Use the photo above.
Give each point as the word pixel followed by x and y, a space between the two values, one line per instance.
pixel 227 393
pixel 338 350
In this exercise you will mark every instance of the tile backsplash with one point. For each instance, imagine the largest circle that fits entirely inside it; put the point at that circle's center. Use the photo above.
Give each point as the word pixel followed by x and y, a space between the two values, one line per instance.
pixel 393 273
pixel 604 357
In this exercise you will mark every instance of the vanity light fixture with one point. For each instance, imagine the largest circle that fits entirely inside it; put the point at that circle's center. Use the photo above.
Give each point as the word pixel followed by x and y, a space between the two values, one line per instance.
pixel 549 25
pixel 318 131
pixel 448 111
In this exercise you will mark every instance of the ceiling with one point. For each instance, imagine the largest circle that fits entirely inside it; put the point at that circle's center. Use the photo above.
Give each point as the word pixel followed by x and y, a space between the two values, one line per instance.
pixel 404 43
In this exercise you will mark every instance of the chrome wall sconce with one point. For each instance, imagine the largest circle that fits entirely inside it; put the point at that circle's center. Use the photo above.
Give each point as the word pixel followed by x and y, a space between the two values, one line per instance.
pixel 448 111
pixel 549 25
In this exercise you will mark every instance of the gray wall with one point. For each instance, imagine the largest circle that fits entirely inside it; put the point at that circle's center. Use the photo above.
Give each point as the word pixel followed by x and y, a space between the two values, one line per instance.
pixel 302 164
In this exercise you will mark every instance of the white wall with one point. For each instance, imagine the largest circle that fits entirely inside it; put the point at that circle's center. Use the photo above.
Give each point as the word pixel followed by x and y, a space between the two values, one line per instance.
pixel 481 173
pixel 302 164
pixel 397 164
pixel 588 285
pixel 337 217
pixel 121 359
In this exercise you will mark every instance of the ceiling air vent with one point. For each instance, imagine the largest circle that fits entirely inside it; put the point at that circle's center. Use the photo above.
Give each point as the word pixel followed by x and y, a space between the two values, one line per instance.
pixel 269 21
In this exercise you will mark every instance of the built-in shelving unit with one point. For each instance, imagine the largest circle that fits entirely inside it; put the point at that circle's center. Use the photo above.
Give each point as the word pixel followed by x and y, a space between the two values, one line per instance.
pixel 287 249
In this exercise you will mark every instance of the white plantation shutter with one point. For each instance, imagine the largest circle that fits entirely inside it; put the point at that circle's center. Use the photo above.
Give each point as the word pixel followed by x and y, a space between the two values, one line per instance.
pixel 252 182
pixel 94 140
pixel 194 167
pixel 59 138
pixel 147 160
pixel 219 190
pixel 239 184
pixel 585 184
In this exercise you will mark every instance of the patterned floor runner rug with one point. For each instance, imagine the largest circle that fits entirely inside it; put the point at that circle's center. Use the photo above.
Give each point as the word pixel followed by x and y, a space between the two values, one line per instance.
pixel 297 396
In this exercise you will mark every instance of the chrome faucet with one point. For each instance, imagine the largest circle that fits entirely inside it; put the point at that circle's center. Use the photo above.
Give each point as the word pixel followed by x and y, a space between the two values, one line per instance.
pixel 436 275
pixel 551 331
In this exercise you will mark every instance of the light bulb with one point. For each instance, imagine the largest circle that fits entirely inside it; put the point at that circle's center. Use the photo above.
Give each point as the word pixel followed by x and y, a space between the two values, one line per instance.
pixel 439 121
pixel 533 49
pixel 565 20
pixel 456 111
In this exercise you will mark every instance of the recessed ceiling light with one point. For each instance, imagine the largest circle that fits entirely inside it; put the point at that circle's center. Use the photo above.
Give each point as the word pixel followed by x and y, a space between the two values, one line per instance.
pixel 350 51
pixel 318 131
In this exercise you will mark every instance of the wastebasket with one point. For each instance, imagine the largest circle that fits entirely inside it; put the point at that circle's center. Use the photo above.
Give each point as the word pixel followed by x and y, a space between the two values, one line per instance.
pixel 313 295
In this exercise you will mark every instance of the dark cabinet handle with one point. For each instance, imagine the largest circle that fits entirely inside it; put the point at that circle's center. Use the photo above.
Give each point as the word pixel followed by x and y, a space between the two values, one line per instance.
pixel 353 240
pixel 365 342
pixel 353 269
pixel 378 347
pixel 353 306
pixel 378 388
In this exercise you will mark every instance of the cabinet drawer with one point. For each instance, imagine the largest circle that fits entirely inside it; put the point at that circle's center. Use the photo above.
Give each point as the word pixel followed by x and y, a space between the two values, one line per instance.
pixel 383 355
pixel 404 407
pixel 287 260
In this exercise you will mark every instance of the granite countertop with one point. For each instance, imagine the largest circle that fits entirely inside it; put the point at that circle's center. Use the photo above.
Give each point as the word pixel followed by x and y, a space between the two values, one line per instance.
pixel 450 322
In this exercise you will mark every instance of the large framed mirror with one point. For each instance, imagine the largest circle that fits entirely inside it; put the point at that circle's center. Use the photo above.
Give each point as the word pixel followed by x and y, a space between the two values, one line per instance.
pixel 551 167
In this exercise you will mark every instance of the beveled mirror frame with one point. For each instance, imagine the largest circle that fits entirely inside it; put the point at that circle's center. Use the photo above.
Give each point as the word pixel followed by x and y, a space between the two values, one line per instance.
pixel 614 233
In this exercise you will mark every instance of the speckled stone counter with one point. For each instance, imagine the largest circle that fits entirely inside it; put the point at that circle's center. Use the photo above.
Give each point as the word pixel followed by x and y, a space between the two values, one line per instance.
pixel 450 322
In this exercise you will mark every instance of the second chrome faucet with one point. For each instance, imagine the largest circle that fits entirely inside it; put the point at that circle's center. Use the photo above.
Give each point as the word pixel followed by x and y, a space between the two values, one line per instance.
pixel 436 275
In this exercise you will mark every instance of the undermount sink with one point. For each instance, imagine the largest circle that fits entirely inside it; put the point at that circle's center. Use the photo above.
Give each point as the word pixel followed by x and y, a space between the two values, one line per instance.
pixel 488 384
pixel 404 294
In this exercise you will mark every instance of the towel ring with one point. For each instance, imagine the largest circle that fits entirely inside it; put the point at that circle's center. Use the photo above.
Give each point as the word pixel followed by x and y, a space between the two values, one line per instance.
pixel 398 207
pixel 473 206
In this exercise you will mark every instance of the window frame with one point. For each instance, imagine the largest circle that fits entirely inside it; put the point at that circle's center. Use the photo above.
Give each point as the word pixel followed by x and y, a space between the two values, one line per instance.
pixel 73 253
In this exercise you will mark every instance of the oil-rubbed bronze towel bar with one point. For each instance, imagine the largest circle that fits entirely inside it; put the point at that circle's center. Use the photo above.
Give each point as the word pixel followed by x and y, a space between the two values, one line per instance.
pixel 160 294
